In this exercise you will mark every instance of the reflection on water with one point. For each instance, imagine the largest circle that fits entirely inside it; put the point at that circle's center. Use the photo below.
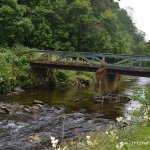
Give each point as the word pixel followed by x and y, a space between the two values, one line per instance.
pixel 140 82
pixel 65 97
pixel 130 107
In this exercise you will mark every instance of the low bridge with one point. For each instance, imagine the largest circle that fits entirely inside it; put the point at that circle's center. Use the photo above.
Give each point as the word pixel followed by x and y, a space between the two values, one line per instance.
pixel 134 65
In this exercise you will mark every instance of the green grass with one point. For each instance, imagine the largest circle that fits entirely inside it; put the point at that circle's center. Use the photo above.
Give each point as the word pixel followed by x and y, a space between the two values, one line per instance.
pixel 134 138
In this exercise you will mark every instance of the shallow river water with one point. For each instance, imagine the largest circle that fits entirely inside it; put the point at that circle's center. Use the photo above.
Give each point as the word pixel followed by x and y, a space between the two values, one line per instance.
pixel 67 112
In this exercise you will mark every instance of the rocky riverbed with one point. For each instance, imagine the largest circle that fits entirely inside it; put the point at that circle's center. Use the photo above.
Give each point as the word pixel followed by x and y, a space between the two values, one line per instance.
pixel 19 124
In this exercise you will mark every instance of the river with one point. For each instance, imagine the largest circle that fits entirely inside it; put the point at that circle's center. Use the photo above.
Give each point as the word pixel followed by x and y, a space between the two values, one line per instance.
pixel 67 113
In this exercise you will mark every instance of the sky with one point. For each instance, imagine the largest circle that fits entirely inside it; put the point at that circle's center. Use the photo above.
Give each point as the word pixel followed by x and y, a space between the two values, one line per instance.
pixel 140 14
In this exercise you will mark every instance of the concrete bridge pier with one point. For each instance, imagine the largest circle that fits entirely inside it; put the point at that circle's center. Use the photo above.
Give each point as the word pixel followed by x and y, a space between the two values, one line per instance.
pixel 42 77
pixel 105 82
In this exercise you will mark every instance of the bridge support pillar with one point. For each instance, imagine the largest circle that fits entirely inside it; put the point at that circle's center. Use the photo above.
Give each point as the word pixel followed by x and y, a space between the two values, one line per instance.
pixel 41 77
pixel 106 83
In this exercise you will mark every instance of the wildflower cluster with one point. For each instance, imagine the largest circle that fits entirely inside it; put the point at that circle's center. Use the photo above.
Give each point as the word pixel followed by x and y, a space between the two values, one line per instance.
pixel 112 134
pixel 89 142
pixel 54 143
pixel 120 145
pixel 121 121
pixel 146 115
pixel 35 138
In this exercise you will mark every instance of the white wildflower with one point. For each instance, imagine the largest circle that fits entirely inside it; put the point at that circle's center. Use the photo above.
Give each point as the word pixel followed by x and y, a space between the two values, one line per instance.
pixel 112 132
pixel 54 141
pixel 80 145
pixel 88 137
pixel 120 145
pixel 52 138
pixel 54 145
pixel 90 143
pixel 35 138
pixel 119 119
pixel 107 132
pixel 146 117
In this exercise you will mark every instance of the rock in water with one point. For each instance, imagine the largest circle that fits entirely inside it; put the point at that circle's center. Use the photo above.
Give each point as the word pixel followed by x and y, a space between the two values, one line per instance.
pixel 76 100
pixel 40 106
pixel 26 109
pixel 5 110
pixel 38 102
pixel 18 89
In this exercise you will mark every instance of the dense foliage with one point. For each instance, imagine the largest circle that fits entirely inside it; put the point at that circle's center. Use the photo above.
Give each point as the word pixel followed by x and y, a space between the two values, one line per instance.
pixel 81 25
pixel 14 68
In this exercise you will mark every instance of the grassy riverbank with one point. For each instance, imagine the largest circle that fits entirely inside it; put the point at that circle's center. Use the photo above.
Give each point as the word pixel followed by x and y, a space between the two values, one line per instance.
pixel 135 138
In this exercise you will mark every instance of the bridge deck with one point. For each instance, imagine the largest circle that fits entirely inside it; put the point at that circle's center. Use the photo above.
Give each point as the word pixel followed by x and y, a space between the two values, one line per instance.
pixel 111 68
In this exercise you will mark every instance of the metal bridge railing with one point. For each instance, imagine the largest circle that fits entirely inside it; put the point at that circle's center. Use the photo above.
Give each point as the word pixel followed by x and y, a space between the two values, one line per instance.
pixel 93 58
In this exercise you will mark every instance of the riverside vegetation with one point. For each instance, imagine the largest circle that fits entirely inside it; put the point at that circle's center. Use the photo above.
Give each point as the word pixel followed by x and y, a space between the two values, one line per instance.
pixel 15 70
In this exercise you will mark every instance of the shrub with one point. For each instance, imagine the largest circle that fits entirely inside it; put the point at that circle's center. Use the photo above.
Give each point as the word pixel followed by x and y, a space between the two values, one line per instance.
pixel 15 70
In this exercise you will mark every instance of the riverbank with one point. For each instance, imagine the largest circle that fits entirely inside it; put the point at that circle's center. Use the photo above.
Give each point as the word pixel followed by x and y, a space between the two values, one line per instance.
pixel 133 138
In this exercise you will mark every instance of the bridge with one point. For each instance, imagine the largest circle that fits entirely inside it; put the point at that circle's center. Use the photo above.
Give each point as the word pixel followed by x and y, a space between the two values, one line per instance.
pixel 134 65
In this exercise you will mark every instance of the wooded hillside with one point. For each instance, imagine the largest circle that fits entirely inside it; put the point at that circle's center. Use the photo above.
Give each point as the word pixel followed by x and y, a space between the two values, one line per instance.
pixel 78 25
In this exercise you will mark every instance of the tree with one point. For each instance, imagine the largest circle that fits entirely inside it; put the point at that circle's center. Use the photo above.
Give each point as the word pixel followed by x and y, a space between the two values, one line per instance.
pixel 14 27
pixel 79 18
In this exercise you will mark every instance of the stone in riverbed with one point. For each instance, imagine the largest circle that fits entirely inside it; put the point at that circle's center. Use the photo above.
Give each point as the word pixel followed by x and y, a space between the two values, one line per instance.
pixel 38 102
pixel 76 100
pixel 26 109
pixel 111 98
pixel 4 110
pixel 40 106
pixel 18 89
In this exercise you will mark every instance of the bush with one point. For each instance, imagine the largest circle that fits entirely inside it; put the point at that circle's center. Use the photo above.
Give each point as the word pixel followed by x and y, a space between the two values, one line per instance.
pixel 84 80
pixel 15 70
pixel 69 78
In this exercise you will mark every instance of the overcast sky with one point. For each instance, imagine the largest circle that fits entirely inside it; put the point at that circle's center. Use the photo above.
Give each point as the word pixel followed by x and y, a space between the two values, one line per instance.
pixel 140 13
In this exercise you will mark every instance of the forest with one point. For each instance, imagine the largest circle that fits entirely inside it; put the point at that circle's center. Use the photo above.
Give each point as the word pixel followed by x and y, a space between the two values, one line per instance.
pixel 70 25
